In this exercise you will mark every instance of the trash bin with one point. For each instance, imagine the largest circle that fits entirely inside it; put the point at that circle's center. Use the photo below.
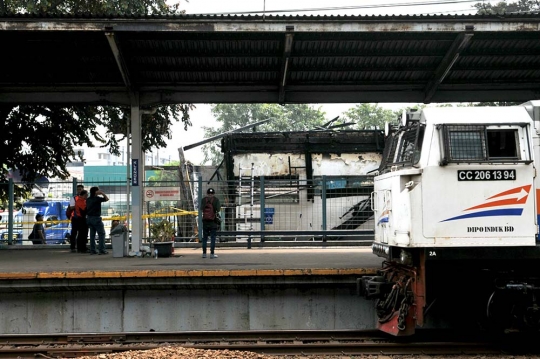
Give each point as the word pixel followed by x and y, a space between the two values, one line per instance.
pixel 119 245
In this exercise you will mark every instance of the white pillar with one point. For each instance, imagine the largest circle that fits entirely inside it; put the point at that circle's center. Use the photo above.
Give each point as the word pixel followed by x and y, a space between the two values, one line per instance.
pixel 137 175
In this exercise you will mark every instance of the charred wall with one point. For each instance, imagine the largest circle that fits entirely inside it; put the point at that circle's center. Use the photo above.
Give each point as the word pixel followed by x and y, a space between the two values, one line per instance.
pixel 303 153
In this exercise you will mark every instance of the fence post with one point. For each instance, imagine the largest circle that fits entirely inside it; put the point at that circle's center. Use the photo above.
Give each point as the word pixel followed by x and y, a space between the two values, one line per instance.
pixel 251 185
pixel 261 201
pixel 11 217
pixel 323 199
pixel 199 215
pixel 74 187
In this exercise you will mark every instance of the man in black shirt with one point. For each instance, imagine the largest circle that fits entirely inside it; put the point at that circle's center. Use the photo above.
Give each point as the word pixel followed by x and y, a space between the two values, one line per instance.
pixel 93 219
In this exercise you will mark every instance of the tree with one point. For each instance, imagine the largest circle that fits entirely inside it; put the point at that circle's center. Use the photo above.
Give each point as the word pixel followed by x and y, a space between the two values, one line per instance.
pixel 283 118
pixel 165 175
pixel 38 140
pixel 370 116
pixel 500 103
pixel 140 7
pixel 502 7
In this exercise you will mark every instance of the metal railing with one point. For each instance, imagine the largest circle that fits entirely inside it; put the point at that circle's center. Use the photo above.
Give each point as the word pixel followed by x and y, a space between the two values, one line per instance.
pixel 253 209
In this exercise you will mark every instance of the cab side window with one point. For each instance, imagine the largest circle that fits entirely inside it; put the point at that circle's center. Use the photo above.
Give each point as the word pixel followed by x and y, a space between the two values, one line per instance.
pixel 480 143
pixel 502 144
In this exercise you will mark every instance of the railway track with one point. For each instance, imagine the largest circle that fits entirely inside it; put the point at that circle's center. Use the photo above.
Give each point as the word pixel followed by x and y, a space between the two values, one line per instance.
pixel 267 342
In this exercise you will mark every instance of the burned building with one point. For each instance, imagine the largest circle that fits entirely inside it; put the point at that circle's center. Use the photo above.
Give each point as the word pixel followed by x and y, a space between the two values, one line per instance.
pixel 292 166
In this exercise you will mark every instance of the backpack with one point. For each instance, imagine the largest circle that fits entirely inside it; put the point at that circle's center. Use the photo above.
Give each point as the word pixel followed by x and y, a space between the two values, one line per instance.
pixel 70 210
pixel 208 213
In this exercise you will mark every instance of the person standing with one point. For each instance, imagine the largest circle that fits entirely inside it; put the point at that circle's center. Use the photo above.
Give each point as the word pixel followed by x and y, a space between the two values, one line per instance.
pixel 79 216
pixel 38 232
pixel 210 206
pixel 74 222
pixel 94 221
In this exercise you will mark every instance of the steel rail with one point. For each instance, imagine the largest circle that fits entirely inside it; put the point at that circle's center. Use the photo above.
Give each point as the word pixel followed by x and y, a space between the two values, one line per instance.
pixel 267 342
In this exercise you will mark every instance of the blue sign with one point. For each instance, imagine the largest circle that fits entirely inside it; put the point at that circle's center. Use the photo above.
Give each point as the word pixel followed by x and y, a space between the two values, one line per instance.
pixel 269 215
pixel 135 172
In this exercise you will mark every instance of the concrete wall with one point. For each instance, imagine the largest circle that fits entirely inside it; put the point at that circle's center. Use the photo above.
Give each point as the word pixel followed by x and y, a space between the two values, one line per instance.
pixel 184 309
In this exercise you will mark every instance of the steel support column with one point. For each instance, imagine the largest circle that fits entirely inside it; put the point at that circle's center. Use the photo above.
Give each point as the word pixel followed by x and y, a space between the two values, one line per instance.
pixel 262 204
pixel 10 214
pixel 323 200
pixel 137 174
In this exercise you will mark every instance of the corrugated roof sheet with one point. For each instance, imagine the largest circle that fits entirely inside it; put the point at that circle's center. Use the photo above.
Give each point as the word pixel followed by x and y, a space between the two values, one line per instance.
pixel 286 59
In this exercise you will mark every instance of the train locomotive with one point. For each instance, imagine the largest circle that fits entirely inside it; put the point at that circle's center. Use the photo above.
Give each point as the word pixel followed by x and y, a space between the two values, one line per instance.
pixel 456 206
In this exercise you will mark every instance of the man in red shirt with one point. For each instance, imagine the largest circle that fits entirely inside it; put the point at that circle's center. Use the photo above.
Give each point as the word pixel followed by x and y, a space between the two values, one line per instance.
pixel 74 223
pixel 79 216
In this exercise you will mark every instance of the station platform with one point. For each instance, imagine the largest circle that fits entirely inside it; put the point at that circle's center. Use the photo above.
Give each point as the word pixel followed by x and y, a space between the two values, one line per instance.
pixel 23 262
pixel 51 290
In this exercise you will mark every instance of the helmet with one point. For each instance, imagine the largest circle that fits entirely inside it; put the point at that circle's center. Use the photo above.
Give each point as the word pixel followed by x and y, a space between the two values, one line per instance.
pixel 210 191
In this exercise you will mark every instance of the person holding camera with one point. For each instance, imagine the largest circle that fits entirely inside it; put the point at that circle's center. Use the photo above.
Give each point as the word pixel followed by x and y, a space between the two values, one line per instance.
pixel 94 221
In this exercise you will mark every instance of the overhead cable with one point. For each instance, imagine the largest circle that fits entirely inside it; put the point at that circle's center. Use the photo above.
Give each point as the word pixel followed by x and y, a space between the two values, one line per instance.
pixel 340 8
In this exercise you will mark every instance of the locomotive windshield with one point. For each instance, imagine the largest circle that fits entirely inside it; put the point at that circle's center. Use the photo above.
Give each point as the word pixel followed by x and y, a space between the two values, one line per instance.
pixel 404 149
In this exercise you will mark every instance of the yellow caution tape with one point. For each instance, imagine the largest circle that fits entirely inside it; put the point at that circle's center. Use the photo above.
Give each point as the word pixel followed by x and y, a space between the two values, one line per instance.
pixel 180 212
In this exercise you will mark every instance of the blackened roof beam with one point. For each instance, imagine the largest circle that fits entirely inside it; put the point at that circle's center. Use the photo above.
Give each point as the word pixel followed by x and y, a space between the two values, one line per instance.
pixel 297 142
pixel 217 137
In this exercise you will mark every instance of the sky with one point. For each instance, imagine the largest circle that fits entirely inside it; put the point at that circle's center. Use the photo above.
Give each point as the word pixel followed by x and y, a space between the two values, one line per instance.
pixel 202 116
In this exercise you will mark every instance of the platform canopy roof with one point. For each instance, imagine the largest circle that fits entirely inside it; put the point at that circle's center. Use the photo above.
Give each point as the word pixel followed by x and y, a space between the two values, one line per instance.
pixel 269 59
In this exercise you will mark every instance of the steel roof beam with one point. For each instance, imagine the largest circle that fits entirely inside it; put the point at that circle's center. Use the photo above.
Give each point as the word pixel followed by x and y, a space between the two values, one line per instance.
pixel 330 26
pixel 68 96
pixel 460 43
pixel 160 58
pixel 319 94
pixel 120 60
pixel 329 69
pixel 285 64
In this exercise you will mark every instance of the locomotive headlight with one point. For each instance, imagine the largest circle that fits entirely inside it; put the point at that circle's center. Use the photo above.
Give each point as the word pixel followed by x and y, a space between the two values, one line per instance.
pixel 405 257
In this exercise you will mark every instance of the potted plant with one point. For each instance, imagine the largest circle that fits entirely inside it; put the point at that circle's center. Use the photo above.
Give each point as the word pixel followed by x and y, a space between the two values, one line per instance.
pixel 163 234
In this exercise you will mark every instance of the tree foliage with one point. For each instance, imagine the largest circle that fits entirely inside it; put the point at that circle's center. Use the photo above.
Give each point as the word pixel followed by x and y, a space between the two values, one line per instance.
pixel 141 7
pixel 370 116
pixel 503 7
pixel 38 140
pixel 283 118
pixel 165 175
pixel 500 103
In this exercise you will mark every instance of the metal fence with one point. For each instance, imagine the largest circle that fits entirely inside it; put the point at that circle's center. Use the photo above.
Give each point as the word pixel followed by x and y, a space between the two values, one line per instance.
pixel 257 209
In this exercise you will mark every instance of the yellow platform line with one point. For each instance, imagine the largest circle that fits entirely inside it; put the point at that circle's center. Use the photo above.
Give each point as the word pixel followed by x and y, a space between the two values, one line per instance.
pixel 149 273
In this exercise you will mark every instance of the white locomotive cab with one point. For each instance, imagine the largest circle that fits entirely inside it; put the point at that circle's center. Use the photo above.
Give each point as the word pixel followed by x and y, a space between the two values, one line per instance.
pixel 458 177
